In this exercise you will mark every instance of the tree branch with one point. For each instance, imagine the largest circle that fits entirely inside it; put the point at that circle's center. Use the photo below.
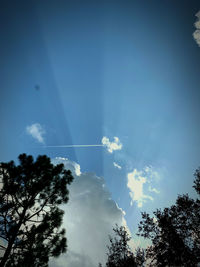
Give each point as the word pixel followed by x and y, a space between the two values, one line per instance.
pixel 42 208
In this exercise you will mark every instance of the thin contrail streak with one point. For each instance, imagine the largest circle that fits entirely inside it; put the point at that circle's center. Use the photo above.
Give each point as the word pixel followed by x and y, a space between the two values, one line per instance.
pixel 74 146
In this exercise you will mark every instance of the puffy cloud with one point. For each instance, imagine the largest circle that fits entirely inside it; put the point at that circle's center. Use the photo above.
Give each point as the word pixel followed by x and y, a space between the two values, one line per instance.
pixel 111 146
pixel 90 216
pixel 69 165
pixel 36 131
pixel 136 181
pixel 135 184
pixel 117 165
pixel 196 34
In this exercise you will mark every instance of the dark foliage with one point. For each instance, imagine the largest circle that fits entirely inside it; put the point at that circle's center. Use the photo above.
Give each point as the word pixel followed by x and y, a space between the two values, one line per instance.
pixel 30 218
pixel 174 232
pixel 140 256
pixel 197 181
pixel 119 253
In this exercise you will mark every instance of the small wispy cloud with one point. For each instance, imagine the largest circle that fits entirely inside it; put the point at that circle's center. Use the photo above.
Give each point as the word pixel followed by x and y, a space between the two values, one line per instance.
pixel 153 189
pixel 36 131
pixel 117 165
pixel 196 34
pixel 136 181
pixel 111 146
pixel 151 173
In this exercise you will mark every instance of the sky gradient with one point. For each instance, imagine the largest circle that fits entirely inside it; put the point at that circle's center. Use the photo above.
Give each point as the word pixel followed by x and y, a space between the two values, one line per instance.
pixel 124 75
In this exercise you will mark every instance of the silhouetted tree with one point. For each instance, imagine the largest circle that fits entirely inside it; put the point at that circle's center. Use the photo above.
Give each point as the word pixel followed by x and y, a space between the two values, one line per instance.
pixel 30 218
pixel 197 181
pixel 140 256
pixel 174 232
pixel 119 253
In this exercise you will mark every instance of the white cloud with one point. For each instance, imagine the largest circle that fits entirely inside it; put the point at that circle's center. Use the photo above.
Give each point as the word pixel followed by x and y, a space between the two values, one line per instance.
pixel 70 165
pixel 117 165
pixel 152 189
pixel 111 146
pixel 196 34
pixel 136 181
pixel 135 184
pixel 90 216
pixel 151 173
pixel 36 131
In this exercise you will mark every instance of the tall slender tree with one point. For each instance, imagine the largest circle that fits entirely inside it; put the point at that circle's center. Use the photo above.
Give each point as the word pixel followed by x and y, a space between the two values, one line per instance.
pixel 30 217
pixel 119 252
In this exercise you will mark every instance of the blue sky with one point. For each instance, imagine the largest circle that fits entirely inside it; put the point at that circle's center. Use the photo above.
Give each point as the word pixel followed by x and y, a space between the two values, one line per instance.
pixel 82 70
